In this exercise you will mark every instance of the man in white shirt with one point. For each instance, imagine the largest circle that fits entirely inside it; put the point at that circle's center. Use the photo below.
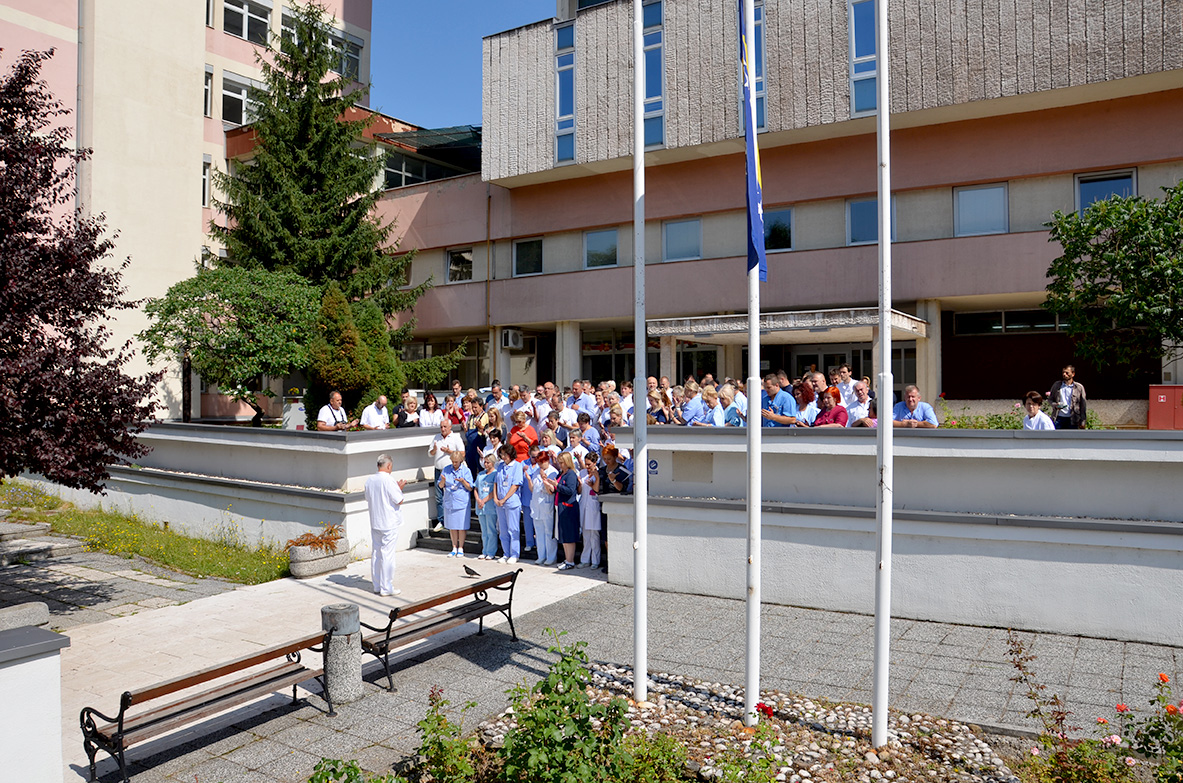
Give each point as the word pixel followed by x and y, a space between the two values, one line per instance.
pixel 376 416
pixel 384 497
pixel 441 449
pixel 845 386
pixel 860 408
pixel 332 417
pixel 498 400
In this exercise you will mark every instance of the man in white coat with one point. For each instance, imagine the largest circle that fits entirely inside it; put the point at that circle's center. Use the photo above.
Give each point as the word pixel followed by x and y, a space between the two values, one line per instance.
pixel 384 496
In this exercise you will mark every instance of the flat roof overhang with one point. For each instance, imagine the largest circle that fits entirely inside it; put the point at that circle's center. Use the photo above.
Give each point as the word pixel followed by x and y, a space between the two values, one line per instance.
pixel 839 325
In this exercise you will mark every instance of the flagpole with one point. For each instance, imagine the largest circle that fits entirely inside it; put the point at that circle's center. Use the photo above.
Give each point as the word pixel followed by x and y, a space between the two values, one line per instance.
pixel 640 361
pixel 752 678
pixel 884 453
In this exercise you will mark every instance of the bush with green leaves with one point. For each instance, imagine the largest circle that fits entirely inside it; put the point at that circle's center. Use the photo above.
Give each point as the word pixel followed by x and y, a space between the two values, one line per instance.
pixel 656 758
pixel 1159 734
pixel 446 755
pixel 561 735
pixel 335 771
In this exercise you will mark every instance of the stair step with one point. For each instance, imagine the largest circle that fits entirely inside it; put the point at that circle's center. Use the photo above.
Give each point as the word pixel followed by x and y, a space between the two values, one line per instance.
pixel 11 530
pixel 24 550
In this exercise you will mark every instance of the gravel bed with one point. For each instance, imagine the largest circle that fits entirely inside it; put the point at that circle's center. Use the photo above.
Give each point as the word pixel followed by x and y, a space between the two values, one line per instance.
pixel 814 740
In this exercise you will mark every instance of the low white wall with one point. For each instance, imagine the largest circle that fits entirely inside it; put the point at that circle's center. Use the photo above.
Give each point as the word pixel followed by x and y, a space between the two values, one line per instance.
pixel 1117 580
pixel 31 721
pixel 323 460
pixel 1084 473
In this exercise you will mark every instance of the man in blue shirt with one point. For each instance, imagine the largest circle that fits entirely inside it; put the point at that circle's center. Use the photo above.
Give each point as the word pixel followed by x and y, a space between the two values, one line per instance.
pixel 777 407
pixel 911 412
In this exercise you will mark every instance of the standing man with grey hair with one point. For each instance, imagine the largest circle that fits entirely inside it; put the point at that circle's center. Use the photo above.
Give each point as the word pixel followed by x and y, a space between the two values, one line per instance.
pixel 384 497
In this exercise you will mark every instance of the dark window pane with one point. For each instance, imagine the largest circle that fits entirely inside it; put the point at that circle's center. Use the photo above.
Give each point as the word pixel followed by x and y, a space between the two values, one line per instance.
pixel 601 248
pixel 566 92
pixel 652 15
pixel 760 112
pixel 256 31
pixel 459 266
pixel 654 131
pixel 864 95
pixel 778 231
pixel 232 21
pixel 977 323
pixel 1030 321
pixel 653 73
pixel 863 19
pixel 864 221
pixel 1101 188
pixel 528 257
pixel 232 109
pixel 565 37
pixel 565 147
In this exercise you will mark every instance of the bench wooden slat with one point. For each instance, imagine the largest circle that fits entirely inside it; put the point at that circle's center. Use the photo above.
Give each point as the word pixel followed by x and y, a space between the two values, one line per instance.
pixel 198 699
pixel 221 670
pixel 414 630
pixel 443 598
pixel 198 710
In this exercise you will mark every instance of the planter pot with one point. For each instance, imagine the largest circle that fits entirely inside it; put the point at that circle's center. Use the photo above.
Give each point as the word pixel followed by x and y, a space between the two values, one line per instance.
pixel 305 562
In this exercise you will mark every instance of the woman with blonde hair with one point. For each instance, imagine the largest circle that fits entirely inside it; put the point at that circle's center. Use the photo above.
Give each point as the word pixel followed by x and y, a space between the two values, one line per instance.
pixel 566 491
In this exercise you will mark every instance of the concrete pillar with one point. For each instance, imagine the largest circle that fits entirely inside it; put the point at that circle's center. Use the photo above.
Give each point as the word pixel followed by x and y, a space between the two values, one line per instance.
pixel 928 350
pixel 669 359
pixel 498 360
pixel 342 653
pixel 732 364
pixel 31 681
pixel 568 352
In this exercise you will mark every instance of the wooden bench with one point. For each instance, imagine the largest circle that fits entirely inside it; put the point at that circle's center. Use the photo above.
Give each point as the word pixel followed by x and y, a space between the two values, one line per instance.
pixel 116 734
pixel 415 621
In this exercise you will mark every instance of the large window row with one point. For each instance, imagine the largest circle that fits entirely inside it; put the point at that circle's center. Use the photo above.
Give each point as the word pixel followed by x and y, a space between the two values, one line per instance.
pixel 977 210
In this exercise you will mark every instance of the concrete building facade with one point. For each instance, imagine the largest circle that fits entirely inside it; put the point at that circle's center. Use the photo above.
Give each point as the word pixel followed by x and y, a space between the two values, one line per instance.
pixel 155 87
pixel 1002 113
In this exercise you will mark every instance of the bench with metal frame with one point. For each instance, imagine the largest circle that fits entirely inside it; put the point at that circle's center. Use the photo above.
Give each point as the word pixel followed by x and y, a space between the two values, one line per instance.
pixel 122 731
pixel 414 621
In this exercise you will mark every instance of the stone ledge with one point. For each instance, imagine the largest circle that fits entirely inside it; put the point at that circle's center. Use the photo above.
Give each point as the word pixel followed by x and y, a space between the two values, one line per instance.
pixel 21 615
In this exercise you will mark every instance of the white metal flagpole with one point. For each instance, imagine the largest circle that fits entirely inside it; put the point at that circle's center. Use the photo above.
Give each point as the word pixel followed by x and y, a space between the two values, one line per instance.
pixel 884 457
pixel 755 421
pixel 640 346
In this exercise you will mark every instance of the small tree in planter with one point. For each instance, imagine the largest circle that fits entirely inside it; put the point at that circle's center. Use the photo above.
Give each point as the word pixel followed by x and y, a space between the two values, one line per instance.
pixel 312 554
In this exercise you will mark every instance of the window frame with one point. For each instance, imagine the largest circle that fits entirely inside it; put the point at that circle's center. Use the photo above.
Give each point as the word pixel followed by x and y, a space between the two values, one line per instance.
pixel 541 257
pixel 616 261
pixel 665 256
pixel 792 229
pixel 564 123
pixel 1004 187
pixel 875 241
pixel 448 254
pixel 853 61
pixel 1092 176
pixel 206 167
pixel 348 48
pixel 249 10
pixel 209 13
pixel 208 102
pixel 653 39
pixel 248 105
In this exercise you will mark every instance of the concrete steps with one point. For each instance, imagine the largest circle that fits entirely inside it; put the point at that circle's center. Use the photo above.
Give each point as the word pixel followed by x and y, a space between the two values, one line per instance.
pixel 27 543
pixel 439 540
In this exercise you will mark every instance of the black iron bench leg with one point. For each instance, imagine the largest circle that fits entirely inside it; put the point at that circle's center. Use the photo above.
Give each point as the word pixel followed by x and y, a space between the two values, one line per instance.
pixel 123 764
pixel 295 701
pixel 389 675
pixel 481 626
pixel 324 680
pixel 91 749
pixel 509 616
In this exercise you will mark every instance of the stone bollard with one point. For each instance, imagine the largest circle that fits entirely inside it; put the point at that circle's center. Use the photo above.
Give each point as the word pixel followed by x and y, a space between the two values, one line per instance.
pixel 342 653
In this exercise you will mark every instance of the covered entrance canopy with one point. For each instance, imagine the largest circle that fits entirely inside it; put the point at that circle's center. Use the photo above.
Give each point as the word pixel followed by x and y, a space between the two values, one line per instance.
pixel 840 325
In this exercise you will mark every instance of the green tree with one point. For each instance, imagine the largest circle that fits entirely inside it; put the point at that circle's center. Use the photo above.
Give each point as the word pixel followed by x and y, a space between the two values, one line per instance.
pixel 338 357
pixel 1118 286
pixel 235 324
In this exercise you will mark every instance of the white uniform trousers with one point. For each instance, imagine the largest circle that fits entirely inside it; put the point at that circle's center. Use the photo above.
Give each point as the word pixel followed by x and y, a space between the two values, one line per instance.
pixel 382 560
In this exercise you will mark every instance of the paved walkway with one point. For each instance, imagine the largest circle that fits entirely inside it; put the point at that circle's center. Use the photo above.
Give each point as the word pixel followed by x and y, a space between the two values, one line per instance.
pixel 959 671
pixel 92 587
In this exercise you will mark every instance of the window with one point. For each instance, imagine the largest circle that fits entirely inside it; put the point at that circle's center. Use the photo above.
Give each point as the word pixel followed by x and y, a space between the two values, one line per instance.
pixel 599 248
pixel 403 169
pixel 1098 187
pixel 778 229
pixel 349 50
pixel 205 175
pixel 862 221
pixel 862 57
pixel 238 106
pixel 654 75
pixel 246 19
pixel 209 13
pixel 980 209
pixel 565 93
pixel 758 52
pixel 208 102
pixel 460 265
pixel 1006 322
pixel 682 240
pixel 589 3
pixel 527 257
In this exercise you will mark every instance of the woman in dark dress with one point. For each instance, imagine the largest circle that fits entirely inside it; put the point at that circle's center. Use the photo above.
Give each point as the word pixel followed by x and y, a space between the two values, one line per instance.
pixel 566 491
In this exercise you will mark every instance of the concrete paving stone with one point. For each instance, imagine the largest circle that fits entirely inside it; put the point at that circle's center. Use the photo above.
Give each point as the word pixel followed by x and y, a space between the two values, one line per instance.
pixel 338 745
pixel 224 771
pixel 377 759
pixel 380 729
pixel 274 721
pixel 941 677
pixel 300 735
pixel 296 766
pixel 258 753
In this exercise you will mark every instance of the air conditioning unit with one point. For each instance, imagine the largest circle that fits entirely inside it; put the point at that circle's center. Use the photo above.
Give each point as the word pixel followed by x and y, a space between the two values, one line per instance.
pixel 511 339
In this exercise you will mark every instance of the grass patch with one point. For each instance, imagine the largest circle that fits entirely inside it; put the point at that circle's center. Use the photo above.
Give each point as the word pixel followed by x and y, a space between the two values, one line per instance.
pixel 117 534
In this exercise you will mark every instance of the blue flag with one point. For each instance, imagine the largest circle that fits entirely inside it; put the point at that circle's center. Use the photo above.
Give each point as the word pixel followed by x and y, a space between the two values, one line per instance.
pixel 756 254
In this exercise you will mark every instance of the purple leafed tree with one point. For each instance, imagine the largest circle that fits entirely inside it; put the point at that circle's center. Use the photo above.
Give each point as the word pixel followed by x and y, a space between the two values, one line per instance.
pixel 67 410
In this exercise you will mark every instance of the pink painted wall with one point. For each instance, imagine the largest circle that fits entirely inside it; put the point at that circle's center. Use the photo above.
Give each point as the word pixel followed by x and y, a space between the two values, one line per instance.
pixel 60 12
pixel 60 72
pixel 998 264
pixel 444 213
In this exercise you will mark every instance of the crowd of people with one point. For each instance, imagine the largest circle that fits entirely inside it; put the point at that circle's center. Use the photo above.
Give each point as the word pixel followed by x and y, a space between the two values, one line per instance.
pixel 532 463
